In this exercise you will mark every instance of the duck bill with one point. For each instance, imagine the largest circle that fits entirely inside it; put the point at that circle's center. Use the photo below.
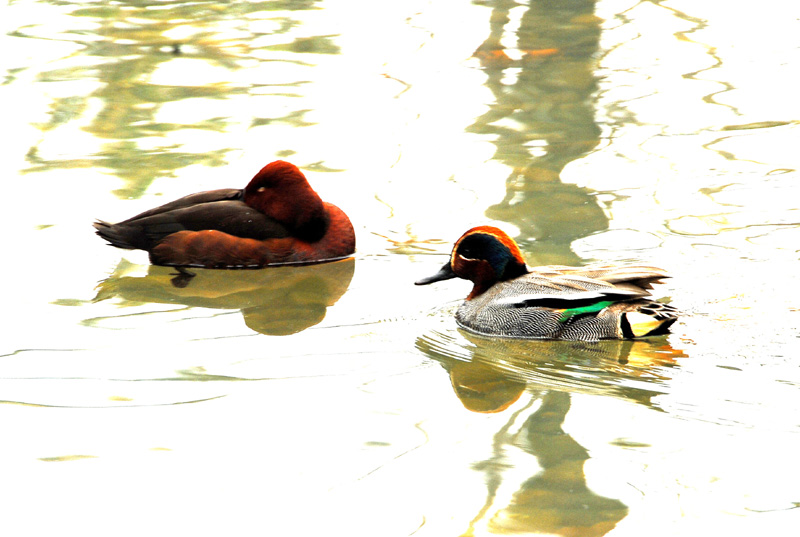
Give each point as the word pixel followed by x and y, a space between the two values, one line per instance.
pixel 445 273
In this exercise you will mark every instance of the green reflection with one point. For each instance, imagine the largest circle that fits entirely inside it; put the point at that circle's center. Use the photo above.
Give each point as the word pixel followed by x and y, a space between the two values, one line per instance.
pixel 129 41
pixel 543 119
pixel 490 375
pixel 557 499
pixel 273 301
pixel 65 458
pixel 499 369
pixel 321 44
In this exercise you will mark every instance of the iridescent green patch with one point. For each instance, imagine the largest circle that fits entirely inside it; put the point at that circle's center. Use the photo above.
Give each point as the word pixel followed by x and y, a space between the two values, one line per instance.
pixel 568 314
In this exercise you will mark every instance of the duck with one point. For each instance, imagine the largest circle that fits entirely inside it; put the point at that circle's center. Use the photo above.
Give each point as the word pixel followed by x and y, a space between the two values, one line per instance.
pixel 511 300
pixel 277 219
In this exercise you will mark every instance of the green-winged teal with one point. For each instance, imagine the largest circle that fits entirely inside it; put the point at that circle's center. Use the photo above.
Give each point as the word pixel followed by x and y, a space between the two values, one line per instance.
pixel 509 299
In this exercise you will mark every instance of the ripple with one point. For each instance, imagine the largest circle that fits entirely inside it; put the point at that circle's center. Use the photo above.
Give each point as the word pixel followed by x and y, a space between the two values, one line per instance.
pixel 497 368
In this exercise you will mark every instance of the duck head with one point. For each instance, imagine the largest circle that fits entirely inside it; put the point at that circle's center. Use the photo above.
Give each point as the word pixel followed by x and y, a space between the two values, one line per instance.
pixel 281 191
pixel 483 255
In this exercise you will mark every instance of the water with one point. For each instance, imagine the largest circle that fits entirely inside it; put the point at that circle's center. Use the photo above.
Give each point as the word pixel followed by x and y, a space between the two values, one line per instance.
pixel 340 398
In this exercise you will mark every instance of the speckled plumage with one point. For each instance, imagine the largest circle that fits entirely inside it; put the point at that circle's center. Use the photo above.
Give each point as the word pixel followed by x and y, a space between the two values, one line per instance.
pixel 519 307
pixel 554 302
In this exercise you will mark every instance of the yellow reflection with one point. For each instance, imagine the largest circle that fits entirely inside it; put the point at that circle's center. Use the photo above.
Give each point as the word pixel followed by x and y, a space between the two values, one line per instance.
pixel 490 375
pixel 631 357
pixel 557 500
pixel 539 60
pixel 482 388
pixel 273 301
pixel 65 458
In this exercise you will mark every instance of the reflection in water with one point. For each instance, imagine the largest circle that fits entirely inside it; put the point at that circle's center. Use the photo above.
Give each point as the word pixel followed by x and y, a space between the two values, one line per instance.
pixel 490 375
pixel 494 368
pixel 274 301
pixel 147 60
pixel 482 388
pixel 557 499
pixel 543 119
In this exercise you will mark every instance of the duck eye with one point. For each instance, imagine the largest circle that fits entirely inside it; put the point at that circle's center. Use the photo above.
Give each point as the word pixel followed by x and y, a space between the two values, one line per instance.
pixel 467 252
pixel 261 189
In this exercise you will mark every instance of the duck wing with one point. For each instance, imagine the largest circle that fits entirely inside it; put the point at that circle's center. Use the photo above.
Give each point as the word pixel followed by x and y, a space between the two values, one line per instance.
pixel 560 292
pixel 562 287
pixel 220 210
pixel 209 196
pixel 639 275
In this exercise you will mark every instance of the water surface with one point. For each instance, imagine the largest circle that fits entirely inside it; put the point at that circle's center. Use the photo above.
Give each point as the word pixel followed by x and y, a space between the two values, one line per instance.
pixel 340 398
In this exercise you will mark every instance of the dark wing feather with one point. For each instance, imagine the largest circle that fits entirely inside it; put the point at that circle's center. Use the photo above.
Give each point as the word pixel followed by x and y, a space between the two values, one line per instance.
pixel 210 196
pixel 146 230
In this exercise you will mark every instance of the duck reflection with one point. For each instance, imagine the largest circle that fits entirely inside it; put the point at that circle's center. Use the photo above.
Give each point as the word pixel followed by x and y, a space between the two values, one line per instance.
pixel 543 119
pixel 482 388
pixel 491 375
pixel 273 301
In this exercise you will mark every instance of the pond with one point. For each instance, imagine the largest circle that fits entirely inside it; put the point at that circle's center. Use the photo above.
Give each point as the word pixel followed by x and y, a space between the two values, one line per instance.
pixel 340 398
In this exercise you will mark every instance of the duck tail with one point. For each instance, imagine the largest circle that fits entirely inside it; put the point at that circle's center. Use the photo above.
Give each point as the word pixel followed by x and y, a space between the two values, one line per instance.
pixel 116 235
pixel 648 319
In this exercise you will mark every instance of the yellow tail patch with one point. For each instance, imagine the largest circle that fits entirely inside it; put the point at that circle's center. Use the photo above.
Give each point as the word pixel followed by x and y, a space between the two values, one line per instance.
pixel 642 324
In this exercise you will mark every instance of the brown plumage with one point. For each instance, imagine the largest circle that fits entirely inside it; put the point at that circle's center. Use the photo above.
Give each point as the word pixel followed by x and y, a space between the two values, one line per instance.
pixel 277 218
